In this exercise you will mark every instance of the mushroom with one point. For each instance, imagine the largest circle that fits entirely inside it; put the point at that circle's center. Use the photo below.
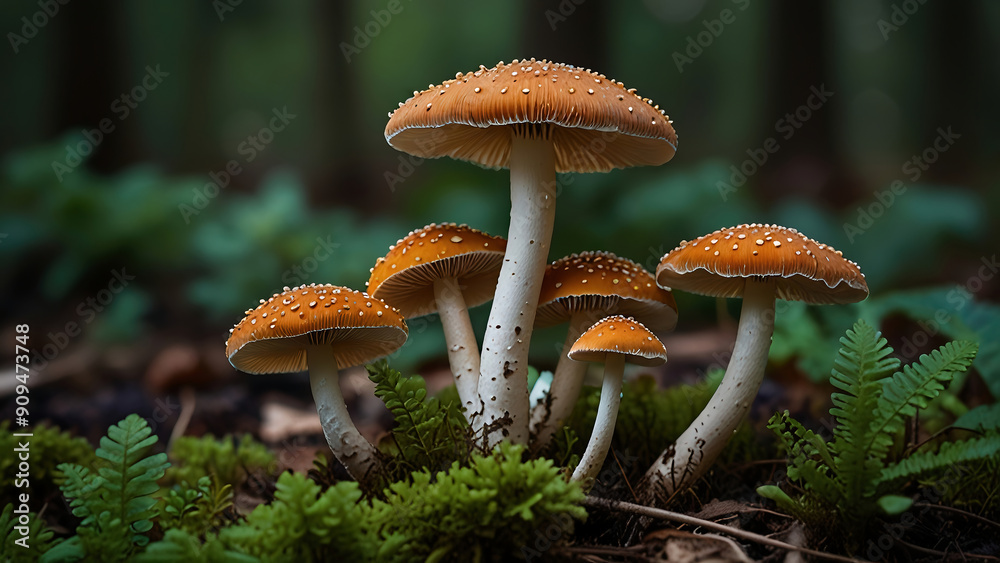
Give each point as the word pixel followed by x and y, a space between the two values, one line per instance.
pixel 444 268
pixel 614 341
pixel 536 118
pixel 580 289
pixel 321 328
pixel 757 263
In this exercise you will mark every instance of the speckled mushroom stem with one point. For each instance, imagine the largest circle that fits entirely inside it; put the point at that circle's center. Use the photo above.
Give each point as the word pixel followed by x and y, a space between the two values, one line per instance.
pixel 699 445
pixel 503 380
pixel 548 416
pixel 351 448
pixel 604 425
pixel 463 350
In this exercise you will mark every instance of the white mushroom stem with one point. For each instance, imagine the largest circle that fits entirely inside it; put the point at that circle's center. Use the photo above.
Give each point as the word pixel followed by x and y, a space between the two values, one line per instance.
pixel 703 441
pixel 503 380
pixel 604 427
pixel 351 448
pixel 548 416
pixel 463 350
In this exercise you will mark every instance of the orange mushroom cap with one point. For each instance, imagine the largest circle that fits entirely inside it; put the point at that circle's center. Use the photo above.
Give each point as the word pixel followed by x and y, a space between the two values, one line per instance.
pixel 596 123
pixel 804 270
pixel 603 282
pixel 619 335
pixel 405 277
pixel 274 337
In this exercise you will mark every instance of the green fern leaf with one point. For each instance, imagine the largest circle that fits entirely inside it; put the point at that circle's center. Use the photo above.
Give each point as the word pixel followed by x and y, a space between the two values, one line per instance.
pixel 949 453
pixel 863 363
pixel 915 386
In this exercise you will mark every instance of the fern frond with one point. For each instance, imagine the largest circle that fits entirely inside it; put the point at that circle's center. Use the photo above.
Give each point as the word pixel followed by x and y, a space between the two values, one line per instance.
pixel 862 364
pixel 429 434
pixel 916 386
pixel 949 453
pixel 78 487
pixel 130 476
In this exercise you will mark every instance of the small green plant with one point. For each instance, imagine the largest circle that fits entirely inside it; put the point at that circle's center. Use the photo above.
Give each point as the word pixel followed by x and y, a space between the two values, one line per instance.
pixel 30 546
pixel 197 509
pixel 427 432
pixel 114 497
pixel 847 482
pixel 306 523
pixel 229 460
pixel 491 510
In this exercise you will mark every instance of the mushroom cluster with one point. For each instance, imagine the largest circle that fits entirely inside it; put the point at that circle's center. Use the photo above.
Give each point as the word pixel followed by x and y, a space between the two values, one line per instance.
pixel 538 118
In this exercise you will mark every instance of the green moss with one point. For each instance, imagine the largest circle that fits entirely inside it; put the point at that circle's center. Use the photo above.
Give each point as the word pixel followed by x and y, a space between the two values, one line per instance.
pixel 228 459
pixel 493 510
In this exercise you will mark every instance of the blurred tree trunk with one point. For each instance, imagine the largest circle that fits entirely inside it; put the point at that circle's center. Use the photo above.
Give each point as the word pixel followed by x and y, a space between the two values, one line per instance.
pixel 89 77
pixel 808 160
pixel 339 97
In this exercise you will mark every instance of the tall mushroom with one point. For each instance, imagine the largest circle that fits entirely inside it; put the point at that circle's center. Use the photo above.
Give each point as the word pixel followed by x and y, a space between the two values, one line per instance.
pixel 446 269
pixel 321 328
pixel 614 341
pixel 536 118
pixel 757 263
pixel 582 288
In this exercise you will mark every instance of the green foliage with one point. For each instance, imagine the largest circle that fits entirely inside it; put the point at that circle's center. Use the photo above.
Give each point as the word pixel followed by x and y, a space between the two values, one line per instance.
pixel 427 433
pixel 490 510
pixel 180 545
pixel 196 509
pixel 305 523
pixel 114 498
pixel 30 546
pixel 806 334
pixel 854 476
pixel 49 445
pixel 229 460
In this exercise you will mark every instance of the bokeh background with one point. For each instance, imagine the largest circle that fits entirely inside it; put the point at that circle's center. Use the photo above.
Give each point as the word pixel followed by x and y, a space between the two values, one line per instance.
pixel 185 90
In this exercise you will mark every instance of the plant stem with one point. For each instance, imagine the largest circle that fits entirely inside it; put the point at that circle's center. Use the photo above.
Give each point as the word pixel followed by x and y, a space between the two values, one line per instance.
pixel 503 383
pixel 604 425
pixel 463 350
pixel 548 416
pixel 348 445
pixel 699 445
pixel 650 512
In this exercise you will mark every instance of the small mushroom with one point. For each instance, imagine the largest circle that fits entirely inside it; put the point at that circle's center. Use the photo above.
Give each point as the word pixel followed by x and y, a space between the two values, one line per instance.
pixel 321 328
pixel 444 268
pixel 757 263
pixel 614 341
pixel 536 118
pixel 580 289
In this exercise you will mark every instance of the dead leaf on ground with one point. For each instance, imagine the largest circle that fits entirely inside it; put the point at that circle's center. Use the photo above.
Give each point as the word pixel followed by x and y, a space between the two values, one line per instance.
pixel 685 547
